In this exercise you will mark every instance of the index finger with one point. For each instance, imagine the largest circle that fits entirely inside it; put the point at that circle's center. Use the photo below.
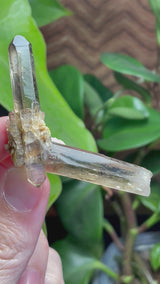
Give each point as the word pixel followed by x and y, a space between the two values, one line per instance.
pixel 3 137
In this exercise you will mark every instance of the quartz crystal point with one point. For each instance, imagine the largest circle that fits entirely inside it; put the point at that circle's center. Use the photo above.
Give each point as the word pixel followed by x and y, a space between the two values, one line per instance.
pixel 31 145
pixel 22 72
pixel 26 148
pixel 97 169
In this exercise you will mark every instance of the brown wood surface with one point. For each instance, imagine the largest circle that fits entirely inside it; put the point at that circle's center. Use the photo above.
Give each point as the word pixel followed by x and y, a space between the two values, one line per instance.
pixel 124 26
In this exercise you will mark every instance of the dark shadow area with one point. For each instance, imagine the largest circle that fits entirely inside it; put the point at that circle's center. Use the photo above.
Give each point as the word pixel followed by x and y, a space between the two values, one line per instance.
pixel 55 229
pixel 3 111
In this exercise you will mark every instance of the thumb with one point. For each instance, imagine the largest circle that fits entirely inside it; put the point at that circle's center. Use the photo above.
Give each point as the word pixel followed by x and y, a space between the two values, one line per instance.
pixel 22 211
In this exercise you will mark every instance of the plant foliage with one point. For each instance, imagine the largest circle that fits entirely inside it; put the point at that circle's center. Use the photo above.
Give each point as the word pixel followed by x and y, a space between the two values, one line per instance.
pixel 69 128
pixel 118 121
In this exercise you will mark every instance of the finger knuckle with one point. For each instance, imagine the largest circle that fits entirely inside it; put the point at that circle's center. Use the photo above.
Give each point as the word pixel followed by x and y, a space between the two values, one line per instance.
pixel 11 244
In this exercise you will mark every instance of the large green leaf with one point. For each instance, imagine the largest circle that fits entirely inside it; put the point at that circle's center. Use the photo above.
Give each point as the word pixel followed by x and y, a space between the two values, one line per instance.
pixel 15 18
pixel 46 11
pixel 131 85
pixel 155 257
pixel 152 161
pixel 128 65
pixel 152 202
pixel 55 190
pixel 79 204
pixel 69 82
pixel 128 107
pixel 155 6
pixel 78 264
pixel 96 84
pixel 121 134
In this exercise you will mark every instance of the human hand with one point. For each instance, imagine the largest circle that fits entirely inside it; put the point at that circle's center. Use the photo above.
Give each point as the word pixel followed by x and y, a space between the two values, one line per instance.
pixel 25 257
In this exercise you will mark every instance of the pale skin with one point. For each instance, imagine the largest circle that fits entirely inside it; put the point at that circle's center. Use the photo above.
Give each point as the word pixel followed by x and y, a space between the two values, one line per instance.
pixel 25 257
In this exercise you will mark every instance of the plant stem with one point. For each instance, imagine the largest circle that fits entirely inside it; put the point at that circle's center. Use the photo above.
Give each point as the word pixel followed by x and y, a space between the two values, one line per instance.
pixel 149 222
pixel 128 211
pixel 99 265
pixel 140 155
pixel 118 210
pixel 128 250
pixel 135 204
pixel 131 234
pixel 126 279
pixel 143 269
pixel 110 230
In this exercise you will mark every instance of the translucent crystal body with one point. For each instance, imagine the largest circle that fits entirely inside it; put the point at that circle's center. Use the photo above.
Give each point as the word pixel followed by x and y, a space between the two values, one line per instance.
pixel 23 130
pixel 30 143
pixel 22 72
pixel 97 169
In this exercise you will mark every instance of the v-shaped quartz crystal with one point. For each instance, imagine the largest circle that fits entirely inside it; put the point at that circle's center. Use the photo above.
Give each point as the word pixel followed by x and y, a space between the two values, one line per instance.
pixel 30 142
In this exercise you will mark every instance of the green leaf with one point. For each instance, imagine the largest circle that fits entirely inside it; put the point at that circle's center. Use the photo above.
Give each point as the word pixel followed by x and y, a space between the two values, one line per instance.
pixel 55 189
pixel 79 204
pixel 78 264
pixel 128 107
pixel 155 257
pixel 96 84
pixel 130 85
pixel 44 228
pixel 121 134
pixel 69 82
pixel 128 65
pixel 15 18
pixel 46 11
pixel 152 161
pixel 152 202
pixel 155 6
pixel 93 102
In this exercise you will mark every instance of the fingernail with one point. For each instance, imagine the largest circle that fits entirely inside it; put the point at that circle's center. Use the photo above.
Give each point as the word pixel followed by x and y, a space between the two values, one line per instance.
pixel 30 276
pixel 18 192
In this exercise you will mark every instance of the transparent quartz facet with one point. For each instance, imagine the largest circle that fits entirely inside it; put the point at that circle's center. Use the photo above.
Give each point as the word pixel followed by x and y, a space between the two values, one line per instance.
pixel 97 169
pixel 30 142
pixel 22 72
pixel 26 110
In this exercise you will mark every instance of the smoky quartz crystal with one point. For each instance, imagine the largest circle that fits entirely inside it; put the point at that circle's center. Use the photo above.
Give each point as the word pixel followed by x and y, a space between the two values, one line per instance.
pixel 31 144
